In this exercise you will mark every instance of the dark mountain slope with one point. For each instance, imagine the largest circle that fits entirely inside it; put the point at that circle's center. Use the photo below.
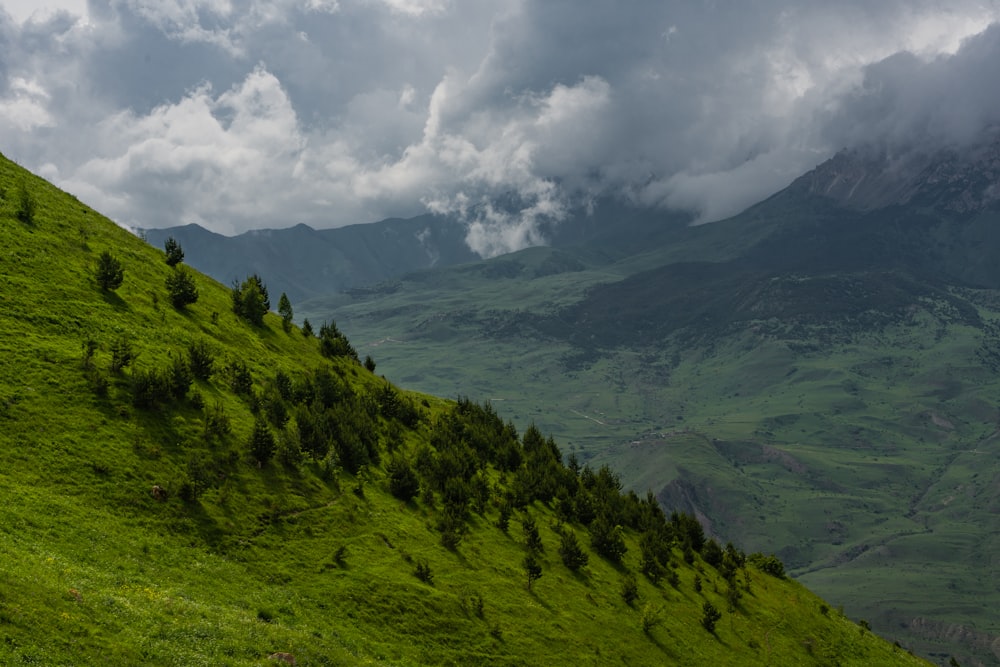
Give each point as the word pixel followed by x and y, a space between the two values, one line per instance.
pixel 957 180
pixel 847 238
pixel 307 263
pixel 865 280
pixel 304 262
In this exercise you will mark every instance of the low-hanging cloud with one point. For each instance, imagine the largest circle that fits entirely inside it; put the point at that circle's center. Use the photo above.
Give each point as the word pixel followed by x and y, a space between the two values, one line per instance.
pixel 240 114
pixel 905 100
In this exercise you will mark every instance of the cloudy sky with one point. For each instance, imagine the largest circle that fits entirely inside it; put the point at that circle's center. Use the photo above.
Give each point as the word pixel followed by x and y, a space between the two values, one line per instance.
pixel 240 114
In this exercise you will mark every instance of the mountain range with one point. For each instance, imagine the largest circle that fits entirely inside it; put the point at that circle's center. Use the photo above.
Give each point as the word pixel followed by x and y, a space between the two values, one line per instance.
pixel 304 262
pixel 818 372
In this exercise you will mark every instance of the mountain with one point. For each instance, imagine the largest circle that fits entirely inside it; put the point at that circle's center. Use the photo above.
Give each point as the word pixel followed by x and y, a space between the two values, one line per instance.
pixel 307 263
pixel 950 180
pixel 185 485
pixel 817 373
pixel 861 234
pixel 303 262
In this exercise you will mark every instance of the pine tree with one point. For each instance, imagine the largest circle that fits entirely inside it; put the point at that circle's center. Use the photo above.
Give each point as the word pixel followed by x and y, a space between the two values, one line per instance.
pixel 532 540
pixel 649 561
pixel 423 572
pixel 333 343
pixel 572 554
pixel 262 443
pixel 110 273
pixel 710 616
pixel 201 359
pixel 607 539
pixel 629 589
pixel 506 509
pixel 250 300
pixel 403 481
pixel 712 553
pixel 285 310
pixel 122 353
pixel 148 387
pixel 180 285
pixel 26 204
pixel 531 569
pixel 175 254
pixel 179 377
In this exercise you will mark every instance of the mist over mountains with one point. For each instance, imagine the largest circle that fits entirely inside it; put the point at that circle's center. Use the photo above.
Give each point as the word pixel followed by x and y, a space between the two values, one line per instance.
pixel 956 180
pixel 869 185
pixel 306 263
pixel 236 116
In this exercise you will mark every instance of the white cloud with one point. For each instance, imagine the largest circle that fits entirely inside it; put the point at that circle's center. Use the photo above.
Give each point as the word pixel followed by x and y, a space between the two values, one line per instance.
pixel 232 155
pixel 493 232
pixel 416 7
pixel 25 107
pixel 42 10
pixel 245 113
pixel 329 6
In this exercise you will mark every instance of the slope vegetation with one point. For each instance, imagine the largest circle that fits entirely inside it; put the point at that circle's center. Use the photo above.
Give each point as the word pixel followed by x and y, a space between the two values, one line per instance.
pixel 185 487
pixel 810 377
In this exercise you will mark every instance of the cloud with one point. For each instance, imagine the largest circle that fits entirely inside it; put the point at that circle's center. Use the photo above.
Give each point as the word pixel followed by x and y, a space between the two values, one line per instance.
pixel 240 114
pixel 904 99
pixel 24 10
pixel 24 108
pixel 231 155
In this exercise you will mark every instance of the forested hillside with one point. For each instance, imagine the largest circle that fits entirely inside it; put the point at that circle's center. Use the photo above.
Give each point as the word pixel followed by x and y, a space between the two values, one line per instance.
pixel 190 479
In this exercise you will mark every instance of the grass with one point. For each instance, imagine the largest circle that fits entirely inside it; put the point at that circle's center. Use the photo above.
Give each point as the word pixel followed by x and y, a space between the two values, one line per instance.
pixel 302 558
pixel 825 450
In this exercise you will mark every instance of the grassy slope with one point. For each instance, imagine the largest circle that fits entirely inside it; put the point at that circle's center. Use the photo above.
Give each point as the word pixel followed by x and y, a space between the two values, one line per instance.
pixel 881 491
pixel 95 571
pixel 870 464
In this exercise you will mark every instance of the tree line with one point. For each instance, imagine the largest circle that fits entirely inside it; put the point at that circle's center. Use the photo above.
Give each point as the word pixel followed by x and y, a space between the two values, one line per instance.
pixel 472 463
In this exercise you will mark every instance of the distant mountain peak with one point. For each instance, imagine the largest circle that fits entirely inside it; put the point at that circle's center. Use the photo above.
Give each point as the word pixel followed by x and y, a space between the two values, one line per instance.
pixel 954 180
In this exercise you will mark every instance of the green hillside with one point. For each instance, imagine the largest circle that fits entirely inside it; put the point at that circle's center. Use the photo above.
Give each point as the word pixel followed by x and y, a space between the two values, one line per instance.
pixel 806 379
pixel 154 518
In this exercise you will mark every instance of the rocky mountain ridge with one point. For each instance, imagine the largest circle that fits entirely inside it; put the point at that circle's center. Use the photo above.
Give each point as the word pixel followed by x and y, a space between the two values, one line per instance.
pixel 953 180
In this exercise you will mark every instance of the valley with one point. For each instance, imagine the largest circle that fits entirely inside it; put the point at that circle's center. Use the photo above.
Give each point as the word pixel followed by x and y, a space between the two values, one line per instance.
pixel 861 459
pixel 802 375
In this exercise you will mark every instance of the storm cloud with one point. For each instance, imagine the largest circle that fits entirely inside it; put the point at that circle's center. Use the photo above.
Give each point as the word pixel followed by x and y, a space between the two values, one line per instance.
pixel 240 114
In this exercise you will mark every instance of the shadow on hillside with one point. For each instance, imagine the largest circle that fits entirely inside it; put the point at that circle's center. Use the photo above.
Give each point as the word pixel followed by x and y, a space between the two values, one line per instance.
pixel 718 639
pixel 161 431
pixel 155 437
pixel 457 553
pixel 541 601
pixel 115 301
pixel 674 657
pixel 207 528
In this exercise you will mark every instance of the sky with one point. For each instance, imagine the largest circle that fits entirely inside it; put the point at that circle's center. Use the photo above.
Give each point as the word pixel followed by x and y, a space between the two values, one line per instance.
pixel 246 114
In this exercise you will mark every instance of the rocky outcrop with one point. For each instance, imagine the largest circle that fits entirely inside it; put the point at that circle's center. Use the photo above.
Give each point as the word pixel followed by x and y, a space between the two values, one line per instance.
pixel 957 180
